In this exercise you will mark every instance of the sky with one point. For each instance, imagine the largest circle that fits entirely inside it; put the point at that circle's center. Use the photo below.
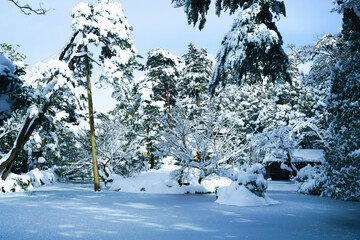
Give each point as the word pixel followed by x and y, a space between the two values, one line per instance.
pixel 156 24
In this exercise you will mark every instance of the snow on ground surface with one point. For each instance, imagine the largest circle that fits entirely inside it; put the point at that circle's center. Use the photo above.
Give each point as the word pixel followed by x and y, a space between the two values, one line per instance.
pixel 160 181
pixel 74 211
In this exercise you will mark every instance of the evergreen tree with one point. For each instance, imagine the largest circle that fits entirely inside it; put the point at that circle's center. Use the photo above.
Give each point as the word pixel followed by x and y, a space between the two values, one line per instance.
pixel 195 75
pixel 13 94
pixel 162 71
pixel 154 97
pixel 252 51
pixel 252 48
pixel 344 105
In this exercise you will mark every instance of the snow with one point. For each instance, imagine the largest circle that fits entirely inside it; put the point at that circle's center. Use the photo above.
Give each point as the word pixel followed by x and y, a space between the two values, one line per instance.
pixel 34 178
pixel 237 195
pixel 299 155
pixel 74 211
pixel 309 155
pixel 6 65
pixel 160 182
pixel 6 68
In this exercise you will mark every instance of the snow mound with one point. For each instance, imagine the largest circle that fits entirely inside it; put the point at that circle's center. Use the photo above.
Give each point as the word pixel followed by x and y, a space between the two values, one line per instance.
pixel 161 182
pixel 27 181
pixel 15 183
pixel 239 195
pixel 39 178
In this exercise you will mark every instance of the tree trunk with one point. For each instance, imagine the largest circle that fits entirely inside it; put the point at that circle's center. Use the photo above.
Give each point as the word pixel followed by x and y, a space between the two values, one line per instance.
pixel 168 100
pixel 197 94
pixel 92 127
pixel 289 163
pixel 23 136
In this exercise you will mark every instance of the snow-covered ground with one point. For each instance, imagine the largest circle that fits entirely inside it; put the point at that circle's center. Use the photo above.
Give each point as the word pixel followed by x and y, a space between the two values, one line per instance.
pixel 74 211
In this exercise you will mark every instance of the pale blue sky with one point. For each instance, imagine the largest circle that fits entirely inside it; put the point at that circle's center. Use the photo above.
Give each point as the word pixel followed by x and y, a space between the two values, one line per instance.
pixel 156 25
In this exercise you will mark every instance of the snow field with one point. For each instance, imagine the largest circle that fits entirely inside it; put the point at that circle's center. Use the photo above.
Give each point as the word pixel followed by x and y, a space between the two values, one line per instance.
pixel 74 211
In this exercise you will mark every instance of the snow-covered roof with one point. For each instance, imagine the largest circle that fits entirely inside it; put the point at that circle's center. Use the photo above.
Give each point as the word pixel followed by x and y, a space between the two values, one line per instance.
pixel 299 155
pixel 308 155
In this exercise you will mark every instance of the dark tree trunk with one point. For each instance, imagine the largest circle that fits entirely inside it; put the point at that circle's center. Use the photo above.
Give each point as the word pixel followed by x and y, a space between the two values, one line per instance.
pixel 23 136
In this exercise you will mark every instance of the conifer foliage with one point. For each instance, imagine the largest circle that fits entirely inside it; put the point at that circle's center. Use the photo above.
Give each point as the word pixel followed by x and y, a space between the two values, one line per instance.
pixel 196 74
pixel 252 48
pixel 344 105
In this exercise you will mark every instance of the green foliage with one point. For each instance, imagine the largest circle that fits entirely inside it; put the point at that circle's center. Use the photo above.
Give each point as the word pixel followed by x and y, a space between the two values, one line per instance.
pixel 13 95
pixel 196 10
pixel 196 74
pixel 344 106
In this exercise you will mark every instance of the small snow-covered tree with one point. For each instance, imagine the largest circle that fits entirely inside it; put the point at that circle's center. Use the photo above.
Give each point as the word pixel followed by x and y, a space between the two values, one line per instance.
pixel 201 146
pixel 118 150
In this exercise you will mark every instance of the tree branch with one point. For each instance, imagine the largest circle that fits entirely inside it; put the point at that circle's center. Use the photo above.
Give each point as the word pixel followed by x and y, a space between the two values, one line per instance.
pixel 62 55
pixel 27 10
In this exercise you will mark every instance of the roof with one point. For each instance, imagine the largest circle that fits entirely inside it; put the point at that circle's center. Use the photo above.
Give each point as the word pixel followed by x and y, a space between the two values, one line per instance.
pixel 299 155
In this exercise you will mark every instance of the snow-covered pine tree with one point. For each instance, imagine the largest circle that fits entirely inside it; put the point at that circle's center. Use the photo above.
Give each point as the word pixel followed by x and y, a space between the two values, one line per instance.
pixel 344 105
pixel 195 75
pixel 251 51
pixel 154 97
pixel 162 71
pixel 252 48
pixel 105 26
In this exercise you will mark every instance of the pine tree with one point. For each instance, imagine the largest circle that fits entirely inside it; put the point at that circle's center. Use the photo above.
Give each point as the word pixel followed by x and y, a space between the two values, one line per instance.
pixel 154 96
pixel 195 75
pixel 163 72
pixel 251 51
pixel 252 48
pixel 344 105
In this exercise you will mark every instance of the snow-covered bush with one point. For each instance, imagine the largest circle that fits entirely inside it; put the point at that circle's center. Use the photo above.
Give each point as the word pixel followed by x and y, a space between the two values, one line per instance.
pixel 15 183
pixel 252 177
pixel 311 180
pixel 27 181
pixel 247 189
pixel 343 184
pixel 161 181
pixel 38 177
pixel 202 146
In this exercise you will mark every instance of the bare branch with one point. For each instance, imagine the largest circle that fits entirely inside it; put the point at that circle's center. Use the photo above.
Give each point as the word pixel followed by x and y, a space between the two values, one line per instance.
pixel 27 10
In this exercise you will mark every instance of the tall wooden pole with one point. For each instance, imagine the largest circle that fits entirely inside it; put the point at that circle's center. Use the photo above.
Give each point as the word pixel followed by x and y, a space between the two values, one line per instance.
pixel 92 128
